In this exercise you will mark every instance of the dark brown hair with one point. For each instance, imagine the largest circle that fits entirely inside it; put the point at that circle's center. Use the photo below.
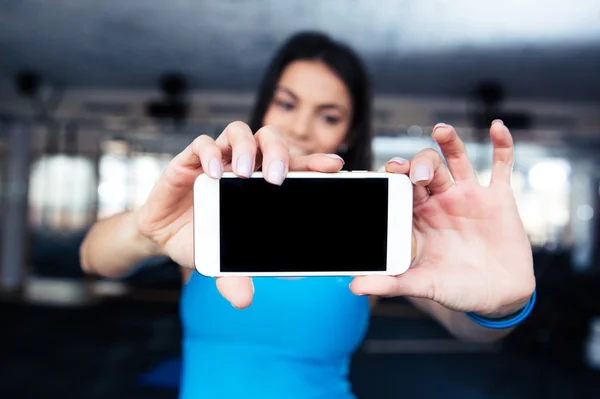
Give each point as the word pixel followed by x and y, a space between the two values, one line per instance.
pixel 348 67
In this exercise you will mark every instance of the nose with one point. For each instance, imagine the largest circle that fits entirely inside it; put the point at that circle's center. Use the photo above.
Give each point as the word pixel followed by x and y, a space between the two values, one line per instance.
pixel 301 125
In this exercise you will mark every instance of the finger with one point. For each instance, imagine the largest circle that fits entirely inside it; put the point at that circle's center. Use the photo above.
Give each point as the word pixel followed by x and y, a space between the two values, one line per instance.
pixel 454 151
pixel 398 165
pixel 325 163
pixel 237 290
pixel 275 154
pixel 209 154
pixel 197 157
pixel 503 154
pixel 402 166
pixel 239 137
pixel 427 169
pixel 416 283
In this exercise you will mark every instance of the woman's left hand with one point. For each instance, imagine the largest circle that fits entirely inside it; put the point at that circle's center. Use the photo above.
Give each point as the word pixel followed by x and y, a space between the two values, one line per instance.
pixel 471 251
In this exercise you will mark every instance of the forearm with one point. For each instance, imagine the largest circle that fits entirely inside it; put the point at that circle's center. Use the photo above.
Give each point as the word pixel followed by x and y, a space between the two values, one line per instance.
pixel 458 324
pixel 114 246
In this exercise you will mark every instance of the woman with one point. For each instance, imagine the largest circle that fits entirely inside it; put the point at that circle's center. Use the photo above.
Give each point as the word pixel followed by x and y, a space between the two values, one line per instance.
pixel 471 253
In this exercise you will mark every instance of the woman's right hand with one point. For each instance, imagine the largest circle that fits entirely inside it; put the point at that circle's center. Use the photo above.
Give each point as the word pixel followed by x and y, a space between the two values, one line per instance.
pixel 167 215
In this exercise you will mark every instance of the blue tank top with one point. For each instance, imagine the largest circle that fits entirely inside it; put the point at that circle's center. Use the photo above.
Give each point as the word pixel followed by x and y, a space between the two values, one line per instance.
pixel 294 341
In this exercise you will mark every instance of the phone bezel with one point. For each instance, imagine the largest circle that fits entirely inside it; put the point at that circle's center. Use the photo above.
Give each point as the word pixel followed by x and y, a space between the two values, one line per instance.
pixel 207 224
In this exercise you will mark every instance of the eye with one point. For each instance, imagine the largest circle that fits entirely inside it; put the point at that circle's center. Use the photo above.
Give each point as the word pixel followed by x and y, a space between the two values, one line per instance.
pixel 332 120
pixel 284 105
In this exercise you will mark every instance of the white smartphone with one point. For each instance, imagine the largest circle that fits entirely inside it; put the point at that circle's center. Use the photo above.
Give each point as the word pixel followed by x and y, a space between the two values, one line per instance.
pixel 314 224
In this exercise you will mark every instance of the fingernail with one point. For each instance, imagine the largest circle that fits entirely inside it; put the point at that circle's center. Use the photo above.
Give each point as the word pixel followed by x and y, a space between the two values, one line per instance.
pixel 420 172
pixel 214 167
pixel 438 125
pixel 336 156
pixel 398 160
pixel 244 165
pixel 276 172
pixel 355 293
pixel 498 121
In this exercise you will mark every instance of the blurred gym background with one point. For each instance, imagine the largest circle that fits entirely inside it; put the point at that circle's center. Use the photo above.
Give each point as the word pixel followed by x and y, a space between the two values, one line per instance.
pixel 97 96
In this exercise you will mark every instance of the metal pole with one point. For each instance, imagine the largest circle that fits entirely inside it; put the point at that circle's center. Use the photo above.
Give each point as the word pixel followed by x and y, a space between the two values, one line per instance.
pixel 14 218
pixel 582 214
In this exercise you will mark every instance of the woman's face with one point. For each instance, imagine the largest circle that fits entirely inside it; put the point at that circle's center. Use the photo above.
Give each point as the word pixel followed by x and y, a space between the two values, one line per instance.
pixel 311 107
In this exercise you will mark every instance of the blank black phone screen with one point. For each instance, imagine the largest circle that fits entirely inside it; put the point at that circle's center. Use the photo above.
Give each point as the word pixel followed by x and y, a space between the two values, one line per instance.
pixel 304 225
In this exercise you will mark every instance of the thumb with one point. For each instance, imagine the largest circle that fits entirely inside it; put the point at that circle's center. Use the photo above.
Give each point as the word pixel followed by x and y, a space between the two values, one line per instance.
pixel 416 282
pixel 324 163
pixel 237 290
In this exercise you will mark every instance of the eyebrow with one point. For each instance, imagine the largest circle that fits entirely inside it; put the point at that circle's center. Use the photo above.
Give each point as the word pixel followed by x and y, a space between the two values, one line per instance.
pixel 338 107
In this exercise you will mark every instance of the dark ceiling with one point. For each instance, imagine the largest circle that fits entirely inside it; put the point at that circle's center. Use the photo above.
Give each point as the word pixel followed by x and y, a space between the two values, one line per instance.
pixel 548 50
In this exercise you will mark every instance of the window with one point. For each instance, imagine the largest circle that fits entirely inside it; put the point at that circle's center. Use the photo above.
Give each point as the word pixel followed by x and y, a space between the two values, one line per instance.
pixel 62 192
pixel 126 178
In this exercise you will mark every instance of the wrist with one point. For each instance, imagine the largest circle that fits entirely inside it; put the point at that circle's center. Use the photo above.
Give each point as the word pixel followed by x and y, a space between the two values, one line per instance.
pixel 147 246
pixel 508 320
pixel 505 311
